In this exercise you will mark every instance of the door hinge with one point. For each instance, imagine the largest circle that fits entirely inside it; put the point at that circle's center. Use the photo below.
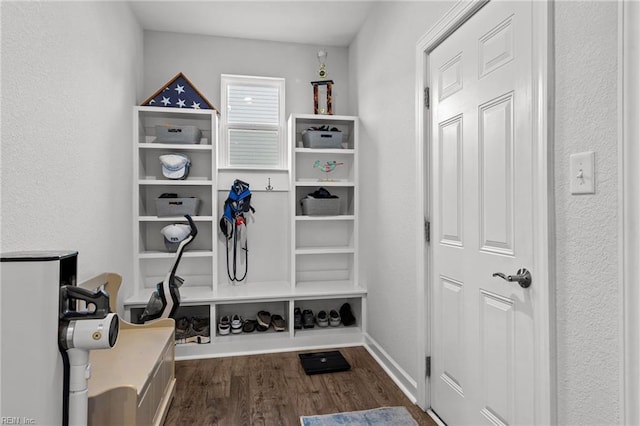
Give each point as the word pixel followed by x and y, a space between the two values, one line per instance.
pixel 428 366
pixel 426 98
pixel 427 230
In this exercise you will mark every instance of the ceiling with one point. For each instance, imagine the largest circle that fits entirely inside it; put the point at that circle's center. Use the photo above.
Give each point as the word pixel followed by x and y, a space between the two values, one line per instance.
pixel 323 23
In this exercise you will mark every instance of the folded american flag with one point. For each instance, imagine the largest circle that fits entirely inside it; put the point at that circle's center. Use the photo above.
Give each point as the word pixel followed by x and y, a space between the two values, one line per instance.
pixel 179 92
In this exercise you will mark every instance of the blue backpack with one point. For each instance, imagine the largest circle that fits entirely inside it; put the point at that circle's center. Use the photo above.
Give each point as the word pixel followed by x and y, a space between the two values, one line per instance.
pixel 233 224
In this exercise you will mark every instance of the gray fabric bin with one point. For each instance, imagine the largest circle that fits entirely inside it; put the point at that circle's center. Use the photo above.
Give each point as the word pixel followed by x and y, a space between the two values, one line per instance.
pixel 320 206
pixel 177 206
pixel 321 139
pixel 178 134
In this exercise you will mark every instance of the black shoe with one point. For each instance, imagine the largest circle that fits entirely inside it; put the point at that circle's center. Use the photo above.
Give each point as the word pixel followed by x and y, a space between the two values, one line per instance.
pixel 297 318
pixel 347 315
pixel 308 319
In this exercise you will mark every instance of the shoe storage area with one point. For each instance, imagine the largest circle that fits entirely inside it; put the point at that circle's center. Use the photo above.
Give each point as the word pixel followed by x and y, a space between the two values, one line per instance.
pixel 301 288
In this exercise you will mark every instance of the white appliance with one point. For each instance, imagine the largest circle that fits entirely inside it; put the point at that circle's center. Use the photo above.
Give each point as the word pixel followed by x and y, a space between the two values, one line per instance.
pixel 46 337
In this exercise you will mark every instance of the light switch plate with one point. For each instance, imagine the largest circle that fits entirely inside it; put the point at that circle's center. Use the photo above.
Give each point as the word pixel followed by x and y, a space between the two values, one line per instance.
pixel 582 173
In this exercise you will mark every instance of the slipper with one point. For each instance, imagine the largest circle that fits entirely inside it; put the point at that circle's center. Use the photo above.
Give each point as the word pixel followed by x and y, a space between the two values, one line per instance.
pixel 249 326
pixel 278 322
pixel 264 319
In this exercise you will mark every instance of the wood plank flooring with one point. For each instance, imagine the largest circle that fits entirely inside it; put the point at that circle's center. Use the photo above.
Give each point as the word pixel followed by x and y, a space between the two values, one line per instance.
pixel 272 389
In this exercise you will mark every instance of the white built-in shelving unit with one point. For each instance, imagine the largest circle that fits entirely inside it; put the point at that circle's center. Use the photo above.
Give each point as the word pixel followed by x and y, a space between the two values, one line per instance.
pixel 310 262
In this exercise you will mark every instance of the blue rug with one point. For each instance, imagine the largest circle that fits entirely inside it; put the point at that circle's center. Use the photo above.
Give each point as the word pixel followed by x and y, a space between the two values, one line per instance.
pixel 396 416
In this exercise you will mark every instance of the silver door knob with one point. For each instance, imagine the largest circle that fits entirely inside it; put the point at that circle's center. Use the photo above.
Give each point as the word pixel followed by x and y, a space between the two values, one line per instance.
pixel 522 277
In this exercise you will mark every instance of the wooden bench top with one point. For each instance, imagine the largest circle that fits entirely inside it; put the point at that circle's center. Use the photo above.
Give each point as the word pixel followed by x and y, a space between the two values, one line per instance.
pixel 130 362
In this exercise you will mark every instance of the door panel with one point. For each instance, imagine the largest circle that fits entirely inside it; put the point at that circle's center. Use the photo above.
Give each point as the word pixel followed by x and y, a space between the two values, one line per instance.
pixel 451 205
pixel 482 328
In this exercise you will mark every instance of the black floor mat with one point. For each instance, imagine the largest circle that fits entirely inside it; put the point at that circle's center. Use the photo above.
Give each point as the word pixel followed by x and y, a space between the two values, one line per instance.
pixel 323 362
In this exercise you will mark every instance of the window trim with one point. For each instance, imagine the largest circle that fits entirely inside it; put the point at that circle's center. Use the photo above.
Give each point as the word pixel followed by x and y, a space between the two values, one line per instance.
pixel 223 147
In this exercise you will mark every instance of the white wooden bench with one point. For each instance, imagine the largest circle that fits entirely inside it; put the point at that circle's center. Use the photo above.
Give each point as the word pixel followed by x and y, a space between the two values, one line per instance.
pixel 134 382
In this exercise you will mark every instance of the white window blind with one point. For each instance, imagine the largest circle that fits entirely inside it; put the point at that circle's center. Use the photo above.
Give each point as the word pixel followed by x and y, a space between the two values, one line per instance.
pixel 253 104
pixel 253 122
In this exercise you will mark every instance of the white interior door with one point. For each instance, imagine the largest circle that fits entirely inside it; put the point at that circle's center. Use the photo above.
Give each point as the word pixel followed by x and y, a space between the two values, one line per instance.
pixel 482 201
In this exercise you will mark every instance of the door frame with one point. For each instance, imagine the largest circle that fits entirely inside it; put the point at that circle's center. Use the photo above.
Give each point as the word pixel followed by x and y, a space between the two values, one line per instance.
pixel 543 214
pixel 629 206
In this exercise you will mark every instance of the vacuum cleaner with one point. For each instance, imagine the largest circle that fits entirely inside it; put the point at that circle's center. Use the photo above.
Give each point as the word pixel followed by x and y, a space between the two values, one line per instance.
pixel 80 331
pixel 165 300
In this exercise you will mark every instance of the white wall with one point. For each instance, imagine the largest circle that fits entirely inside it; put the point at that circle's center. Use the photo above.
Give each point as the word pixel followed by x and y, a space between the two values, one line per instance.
pixel 382 73
pixel 588 334
pixel 382 82
pixel 204 58
pixel 71 72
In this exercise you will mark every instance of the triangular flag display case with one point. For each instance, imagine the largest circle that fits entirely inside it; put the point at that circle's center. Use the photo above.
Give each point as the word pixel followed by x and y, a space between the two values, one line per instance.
pixel 179 92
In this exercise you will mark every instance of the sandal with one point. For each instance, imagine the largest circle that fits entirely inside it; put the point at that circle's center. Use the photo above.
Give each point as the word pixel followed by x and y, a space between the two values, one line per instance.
pixel 278 322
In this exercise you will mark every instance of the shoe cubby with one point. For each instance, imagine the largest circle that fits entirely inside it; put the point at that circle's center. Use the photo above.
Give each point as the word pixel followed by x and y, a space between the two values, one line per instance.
pixel 249 311
pixel 326 305
pixel 193 324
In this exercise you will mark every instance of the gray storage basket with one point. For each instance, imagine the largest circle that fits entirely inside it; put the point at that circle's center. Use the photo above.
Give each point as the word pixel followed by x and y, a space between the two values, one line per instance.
pixel 320 206
pixel 178 134
pixel 321 139
pixel 177 206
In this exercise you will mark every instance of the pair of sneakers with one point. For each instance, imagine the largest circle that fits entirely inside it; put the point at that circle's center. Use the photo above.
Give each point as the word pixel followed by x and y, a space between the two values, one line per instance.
pixel 233 324
pixel 192 330
pixel 303 319
pixel 325 320
pixel 306 318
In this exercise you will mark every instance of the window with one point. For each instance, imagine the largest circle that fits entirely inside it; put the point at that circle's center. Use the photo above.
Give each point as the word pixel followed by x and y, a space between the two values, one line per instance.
pixel 253 131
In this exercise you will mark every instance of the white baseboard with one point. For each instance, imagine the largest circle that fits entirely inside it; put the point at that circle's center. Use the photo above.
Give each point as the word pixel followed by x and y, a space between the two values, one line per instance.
pixel 400 377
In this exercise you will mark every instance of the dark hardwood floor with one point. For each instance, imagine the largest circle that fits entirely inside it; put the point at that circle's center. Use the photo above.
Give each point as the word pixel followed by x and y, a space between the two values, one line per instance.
pixel 272 389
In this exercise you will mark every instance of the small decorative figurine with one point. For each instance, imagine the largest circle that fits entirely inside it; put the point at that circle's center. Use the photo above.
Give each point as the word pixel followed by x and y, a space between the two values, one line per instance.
pixel 327 167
